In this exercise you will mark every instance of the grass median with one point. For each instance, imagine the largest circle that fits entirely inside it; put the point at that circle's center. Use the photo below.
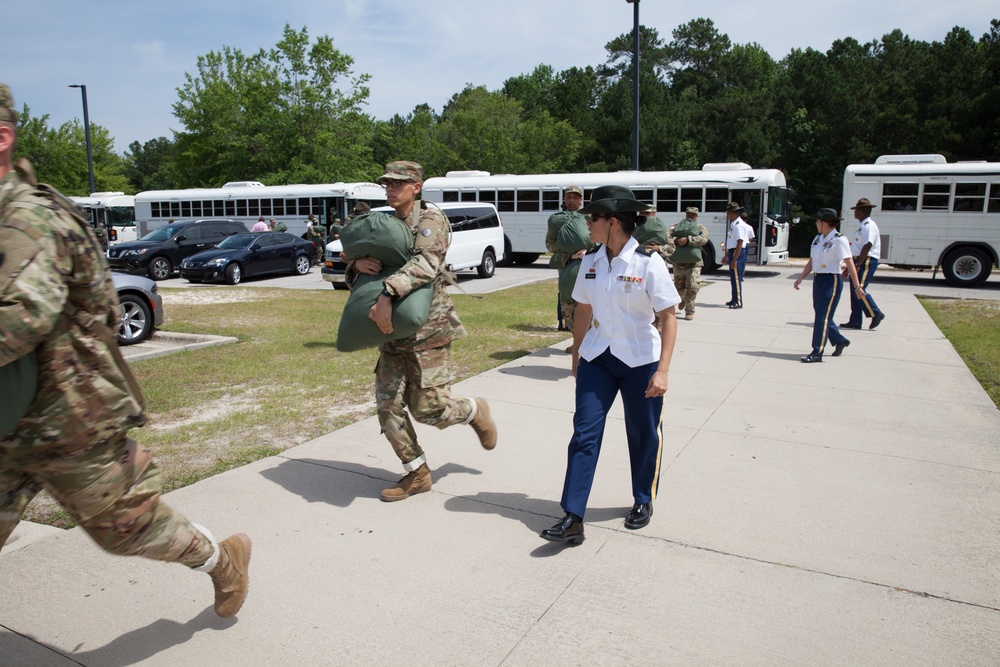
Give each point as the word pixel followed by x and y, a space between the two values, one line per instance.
pixel 973 328
pixel 285 383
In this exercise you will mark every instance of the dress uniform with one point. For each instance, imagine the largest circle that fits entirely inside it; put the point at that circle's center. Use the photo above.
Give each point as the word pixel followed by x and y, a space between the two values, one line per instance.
pixel 866 262
pixel 737 231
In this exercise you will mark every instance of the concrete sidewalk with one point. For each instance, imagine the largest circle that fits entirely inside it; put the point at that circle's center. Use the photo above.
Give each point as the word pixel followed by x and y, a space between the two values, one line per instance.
pixel 843 513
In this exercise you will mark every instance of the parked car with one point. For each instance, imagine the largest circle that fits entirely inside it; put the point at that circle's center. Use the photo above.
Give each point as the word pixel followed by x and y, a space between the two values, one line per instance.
pixel 161 251
pixel 245 255
pixel 142 308
pixel 477 242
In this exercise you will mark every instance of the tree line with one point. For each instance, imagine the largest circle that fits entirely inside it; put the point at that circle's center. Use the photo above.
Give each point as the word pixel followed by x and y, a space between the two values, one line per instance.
pixel 294 113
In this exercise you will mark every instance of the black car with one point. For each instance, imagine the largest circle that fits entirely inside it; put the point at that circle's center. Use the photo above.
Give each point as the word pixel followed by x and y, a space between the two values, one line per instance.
pixel 160 252
pixel 245 255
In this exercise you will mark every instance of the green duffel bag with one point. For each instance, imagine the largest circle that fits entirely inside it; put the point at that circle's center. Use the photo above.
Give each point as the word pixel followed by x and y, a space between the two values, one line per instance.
pixel 18 386
pixel 380 235
pixel 653 232
pixel 357 331
pixel 574 236
pixel 567 279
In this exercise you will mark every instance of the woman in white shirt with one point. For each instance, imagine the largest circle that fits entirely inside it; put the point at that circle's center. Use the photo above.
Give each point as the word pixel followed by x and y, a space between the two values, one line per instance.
pixel 828 250
pixel 616 350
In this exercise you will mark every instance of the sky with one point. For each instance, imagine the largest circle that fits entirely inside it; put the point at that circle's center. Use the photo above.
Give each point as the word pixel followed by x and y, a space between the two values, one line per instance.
pixel 133 56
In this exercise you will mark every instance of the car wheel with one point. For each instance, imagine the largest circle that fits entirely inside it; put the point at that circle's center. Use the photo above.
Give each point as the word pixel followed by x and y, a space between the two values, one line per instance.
pixel 967 267
pixel 160 268
pixel 488 266
pixel 137 320
pixel 302 265
pixel 234 274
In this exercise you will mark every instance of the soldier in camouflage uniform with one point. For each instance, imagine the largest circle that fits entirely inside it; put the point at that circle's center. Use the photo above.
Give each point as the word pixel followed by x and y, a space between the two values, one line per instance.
pixel 415 372
pixel 277 226
pixel 102 235
pixel 317 235
pixel 688 237
pixel 57 303
pixel 572 201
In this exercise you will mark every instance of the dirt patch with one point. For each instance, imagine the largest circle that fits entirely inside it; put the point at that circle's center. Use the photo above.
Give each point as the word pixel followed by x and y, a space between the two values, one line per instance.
pixel 209 295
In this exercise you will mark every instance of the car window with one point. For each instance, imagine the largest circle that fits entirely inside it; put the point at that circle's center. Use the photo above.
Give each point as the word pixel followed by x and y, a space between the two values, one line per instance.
pixel 264 241
pixel 281 238
pixel 191 233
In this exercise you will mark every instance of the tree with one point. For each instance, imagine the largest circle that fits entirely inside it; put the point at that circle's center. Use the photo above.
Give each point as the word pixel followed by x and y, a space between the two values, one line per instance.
pixel 151 166
pixel 290 114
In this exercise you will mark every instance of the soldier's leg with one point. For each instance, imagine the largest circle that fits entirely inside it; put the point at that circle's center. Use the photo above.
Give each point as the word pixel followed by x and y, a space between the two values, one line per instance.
pixel 568 311
pixel 694 284
pixel 680 284
pixel 391 377
pixel 17 488
pixel 428 393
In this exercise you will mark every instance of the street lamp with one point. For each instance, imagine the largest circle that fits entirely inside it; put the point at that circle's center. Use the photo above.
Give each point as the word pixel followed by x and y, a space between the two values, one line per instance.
pixel 86 128
pixel 635 84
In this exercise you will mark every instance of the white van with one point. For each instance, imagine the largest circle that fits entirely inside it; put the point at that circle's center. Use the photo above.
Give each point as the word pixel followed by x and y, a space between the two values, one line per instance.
pixel 476 241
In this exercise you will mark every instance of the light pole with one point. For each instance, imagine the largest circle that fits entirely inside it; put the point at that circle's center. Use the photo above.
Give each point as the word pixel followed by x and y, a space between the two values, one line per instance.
pixel 635 83
pixel 86 129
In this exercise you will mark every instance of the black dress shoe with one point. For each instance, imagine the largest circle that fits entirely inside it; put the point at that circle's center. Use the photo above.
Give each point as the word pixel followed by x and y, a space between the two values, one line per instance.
pixel 812 358
pixel 840 348
pixel 570 529
pixel 877 320
pixel 735 306
pixel 848 325
pixel 639 516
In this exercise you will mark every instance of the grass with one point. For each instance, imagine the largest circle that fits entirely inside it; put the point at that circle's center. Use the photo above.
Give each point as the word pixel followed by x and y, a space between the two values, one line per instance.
pixel 973 328
pixel 284 383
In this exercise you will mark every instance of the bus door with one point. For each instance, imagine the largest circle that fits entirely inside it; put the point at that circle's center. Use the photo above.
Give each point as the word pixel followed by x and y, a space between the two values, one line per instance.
pixel 753 201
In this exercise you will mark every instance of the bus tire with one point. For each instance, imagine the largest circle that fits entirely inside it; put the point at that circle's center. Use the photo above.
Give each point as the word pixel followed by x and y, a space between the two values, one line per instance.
pixel 967 267
pixel 488 266
pixel 159 268
pixel 525 258
pixel 234 274
pixel 508 254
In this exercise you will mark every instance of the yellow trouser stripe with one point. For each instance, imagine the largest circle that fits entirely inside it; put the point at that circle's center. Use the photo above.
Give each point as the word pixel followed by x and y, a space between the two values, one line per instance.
pixel 659 454
pixel 826 319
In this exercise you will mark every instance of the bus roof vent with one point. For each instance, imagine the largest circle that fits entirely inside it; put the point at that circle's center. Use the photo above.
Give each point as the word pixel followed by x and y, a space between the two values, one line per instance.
pixel 925 158
pixel 243 184
pixel 107 194
pixel 726 166
pixel 464 174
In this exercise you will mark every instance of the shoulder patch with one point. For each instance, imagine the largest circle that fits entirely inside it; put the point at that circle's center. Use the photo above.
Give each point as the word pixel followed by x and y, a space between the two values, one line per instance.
pixel 593 250
pixel 643 250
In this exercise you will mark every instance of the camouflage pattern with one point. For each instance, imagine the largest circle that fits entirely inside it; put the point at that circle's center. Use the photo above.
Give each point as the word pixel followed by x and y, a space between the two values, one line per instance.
pixel 687 279
pixel 697 237
pixel 56 285
pixel 102 235
pixel 568 311
pixel 402 170
pixel 8 113
pixel 421 381
pixel 431 233
pixel 317 235
pixel 280 227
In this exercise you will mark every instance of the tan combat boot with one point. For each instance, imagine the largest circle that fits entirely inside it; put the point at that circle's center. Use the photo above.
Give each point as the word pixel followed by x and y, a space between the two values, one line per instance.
pixel 417 481
pixel 231 576
pixel 484 426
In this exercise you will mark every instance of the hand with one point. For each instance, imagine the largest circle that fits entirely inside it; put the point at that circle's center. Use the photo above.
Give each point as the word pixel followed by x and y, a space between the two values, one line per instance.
pixel 657 384
pixel 578 254
pixel 381 314
pixel 683 240
pixel 798 281
pixel 368 265
pixel 732 265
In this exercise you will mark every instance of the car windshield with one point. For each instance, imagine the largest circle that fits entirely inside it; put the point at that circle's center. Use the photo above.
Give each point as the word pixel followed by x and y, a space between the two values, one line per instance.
pixel 236 242
pixel 164 233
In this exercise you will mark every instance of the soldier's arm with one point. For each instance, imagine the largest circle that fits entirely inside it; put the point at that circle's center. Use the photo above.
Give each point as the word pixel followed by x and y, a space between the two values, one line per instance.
pixel 428 258
pixel 699 240
pixel 32 294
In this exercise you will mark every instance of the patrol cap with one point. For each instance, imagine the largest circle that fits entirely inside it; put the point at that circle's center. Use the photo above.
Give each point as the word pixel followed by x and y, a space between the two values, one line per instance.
pixel 7 111
pixel 863 203
pixel 573 190
pixel 361 207
pixel 828 214
pixel 613 199
pixel 691 209
pixel 311 217
pixel 402 170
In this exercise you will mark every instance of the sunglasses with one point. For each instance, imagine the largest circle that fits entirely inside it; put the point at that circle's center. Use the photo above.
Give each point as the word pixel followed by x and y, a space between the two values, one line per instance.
pixel 594 217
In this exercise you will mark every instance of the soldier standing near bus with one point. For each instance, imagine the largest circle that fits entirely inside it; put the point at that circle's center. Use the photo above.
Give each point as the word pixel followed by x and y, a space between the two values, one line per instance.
pixel 867 250
pixel 572 201
pixel 102 235
pixel 688 238
pixel 317 235
pixel 57 310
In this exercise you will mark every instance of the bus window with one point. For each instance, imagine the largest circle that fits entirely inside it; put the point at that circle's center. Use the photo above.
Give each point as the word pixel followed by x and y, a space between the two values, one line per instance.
pixel 230 209
pixel 265 207
pixel 691 197
pixel 196 209
pixel 970 197
pixel 488 196
pixel 551 200
pixel 644 195
pixel 469 195
pixel 777 203
pixel 241 208
pixel 716 200
pixel 278 207
pixel 666 200
pixel 899 196
pixel 449 195
pixel 289 207
pixel 253 207
pixel 527 201
pixel 175 209
pixel 937 197
pixel 994 205
pixel 505 200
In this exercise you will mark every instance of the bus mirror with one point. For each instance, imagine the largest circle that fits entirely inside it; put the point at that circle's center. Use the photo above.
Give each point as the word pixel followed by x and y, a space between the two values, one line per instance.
pixel 796 220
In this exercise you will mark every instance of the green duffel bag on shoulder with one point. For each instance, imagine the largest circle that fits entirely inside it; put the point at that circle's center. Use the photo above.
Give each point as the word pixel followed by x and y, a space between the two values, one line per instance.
pixel 357 331
pixel 574 236
pixel 567 279
pixel 380 235
pixel 653 232
pixel 18 386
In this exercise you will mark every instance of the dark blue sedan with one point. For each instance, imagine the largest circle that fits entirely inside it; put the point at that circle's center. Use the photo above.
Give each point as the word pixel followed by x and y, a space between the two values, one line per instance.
pixel 244 255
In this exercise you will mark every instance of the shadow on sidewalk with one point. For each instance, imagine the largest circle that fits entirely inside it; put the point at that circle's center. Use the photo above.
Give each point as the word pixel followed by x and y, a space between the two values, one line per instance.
pixel 301 478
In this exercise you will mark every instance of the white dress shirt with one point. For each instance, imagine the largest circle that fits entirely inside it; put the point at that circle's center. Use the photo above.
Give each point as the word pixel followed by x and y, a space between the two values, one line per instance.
pixel 866 233
pixel 827 252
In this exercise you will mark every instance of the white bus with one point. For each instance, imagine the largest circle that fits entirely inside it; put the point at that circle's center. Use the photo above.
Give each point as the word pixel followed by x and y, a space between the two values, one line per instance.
pixel 931 213
pixel 527 201
pixel 115 209
pixel 246 201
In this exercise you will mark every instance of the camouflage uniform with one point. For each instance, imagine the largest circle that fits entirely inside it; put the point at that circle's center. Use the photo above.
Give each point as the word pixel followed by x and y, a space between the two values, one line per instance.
pixel 102 236
pixel 415 372
pixel 59 300
pixel 316 235
pixel 559 260
pixel 687 275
